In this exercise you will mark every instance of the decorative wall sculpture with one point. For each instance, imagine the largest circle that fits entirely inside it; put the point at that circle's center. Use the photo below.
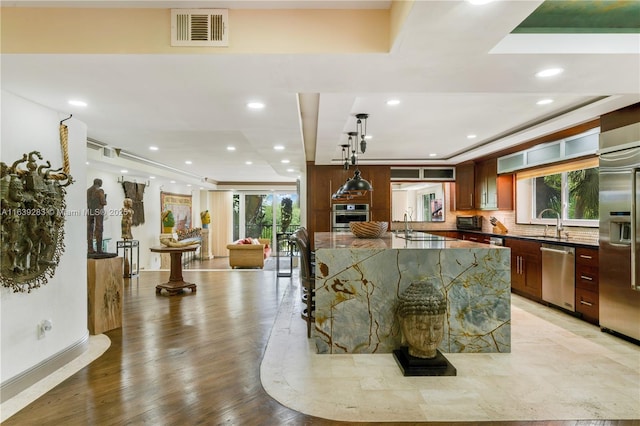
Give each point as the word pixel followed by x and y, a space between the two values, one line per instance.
pixel 33 214
pixel 135 191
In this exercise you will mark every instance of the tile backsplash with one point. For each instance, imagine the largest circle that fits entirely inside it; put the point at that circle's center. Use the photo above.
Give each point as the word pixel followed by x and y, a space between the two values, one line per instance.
pixel 508 219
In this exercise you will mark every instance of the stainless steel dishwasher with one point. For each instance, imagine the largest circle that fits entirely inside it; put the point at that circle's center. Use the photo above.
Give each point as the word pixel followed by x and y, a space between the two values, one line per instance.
pixel 558 275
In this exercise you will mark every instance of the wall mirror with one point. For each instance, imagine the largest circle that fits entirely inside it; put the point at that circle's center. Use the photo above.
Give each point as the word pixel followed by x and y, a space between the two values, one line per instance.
pixel 420 201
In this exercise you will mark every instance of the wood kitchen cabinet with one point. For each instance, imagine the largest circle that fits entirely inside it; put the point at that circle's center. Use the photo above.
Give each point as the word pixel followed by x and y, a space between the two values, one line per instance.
pixel 448 234
pixel 526 262
pixel 475 237
pixel 493 192
pixel 478 186
pixel 323 181
pixel 587 289
pixel 465 186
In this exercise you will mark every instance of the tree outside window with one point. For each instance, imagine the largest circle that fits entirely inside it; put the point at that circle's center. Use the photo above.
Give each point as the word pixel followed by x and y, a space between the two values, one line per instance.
pixel 578 190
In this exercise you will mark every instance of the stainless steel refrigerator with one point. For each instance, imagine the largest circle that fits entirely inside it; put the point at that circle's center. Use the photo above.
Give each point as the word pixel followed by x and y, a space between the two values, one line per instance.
pixel 620 230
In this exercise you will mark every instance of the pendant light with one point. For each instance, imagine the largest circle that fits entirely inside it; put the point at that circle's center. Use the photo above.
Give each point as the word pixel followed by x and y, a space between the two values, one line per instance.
pixel 356 186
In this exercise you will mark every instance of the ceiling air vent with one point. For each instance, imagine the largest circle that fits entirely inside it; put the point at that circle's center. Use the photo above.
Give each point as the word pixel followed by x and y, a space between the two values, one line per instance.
pixel 199 27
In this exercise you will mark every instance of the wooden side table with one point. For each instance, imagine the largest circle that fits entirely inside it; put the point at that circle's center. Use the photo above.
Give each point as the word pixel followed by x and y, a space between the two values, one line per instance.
pixel 176 283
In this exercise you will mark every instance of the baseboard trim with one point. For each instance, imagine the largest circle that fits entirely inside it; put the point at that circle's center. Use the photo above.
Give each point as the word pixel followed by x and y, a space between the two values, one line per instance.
pixel 22 381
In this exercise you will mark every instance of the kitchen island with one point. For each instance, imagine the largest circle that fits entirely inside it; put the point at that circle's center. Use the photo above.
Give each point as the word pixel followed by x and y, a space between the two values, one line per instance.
pixel 358 282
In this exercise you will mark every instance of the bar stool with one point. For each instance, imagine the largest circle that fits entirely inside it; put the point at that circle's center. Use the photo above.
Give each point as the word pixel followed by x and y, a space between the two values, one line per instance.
pixel 307 279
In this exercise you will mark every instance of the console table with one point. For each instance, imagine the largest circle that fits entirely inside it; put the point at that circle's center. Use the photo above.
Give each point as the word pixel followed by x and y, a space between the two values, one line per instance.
pixel 176 283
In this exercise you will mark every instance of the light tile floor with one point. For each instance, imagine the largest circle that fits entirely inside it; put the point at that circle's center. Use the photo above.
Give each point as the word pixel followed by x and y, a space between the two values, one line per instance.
pixel 560 368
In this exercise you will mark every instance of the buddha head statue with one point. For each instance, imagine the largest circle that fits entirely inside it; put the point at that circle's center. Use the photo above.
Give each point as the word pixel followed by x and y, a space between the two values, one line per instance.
pixel 421 311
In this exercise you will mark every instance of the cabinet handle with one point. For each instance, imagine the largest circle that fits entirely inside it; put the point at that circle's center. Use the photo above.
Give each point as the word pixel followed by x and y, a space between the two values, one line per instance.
pixel 586 278
pixel 473 239
pixel 582 302
pixel 584 256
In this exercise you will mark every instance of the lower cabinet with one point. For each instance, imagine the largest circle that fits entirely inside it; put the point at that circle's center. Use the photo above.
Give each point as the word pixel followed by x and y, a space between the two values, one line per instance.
pixel 526 262
pixel 476 237
pixel 587 289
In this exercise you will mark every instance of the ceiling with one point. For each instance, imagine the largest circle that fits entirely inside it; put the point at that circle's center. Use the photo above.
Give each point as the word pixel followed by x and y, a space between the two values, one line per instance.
pixel 456 69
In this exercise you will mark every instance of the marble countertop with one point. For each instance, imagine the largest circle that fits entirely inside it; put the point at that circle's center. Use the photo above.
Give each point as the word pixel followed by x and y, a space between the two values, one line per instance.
pixel 390 240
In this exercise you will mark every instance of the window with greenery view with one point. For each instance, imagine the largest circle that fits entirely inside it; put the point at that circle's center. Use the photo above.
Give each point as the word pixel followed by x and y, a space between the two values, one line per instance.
pixel 574 194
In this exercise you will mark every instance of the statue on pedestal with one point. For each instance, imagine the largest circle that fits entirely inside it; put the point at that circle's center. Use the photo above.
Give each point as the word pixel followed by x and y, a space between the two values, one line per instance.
pixel 205 217
pixel 421 311
pixel 127 219
pixel 96 200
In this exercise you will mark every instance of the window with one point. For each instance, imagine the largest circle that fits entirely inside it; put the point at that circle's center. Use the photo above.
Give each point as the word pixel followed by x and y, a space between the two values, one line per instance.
pixel 570 189
pixel 258 214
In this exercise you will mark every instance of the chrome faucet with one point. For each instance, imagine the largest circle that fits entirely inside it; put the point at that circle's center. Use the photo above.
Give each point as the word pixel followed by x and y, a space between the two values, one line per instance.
pixel 559 227
pixel 407 231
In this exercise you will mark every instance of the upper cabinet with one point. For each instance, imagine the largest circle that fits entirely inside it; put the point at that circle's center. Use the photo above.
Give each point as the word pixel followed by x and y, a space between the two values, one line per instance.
pixel 478 186
pixel 486 185
pixel 465 182
pixel 493 192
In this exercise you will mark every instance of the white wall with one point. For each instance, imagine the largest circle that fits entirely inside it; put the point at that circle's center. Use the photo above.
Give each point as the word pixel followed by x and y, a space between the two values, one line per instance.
pixel 28 127
pixel 147 234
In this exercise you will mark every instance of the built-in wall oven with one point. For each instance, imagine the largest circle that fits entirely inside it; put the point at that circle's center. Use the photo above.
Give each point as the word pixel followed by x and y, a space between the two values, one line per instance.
pixel 342 214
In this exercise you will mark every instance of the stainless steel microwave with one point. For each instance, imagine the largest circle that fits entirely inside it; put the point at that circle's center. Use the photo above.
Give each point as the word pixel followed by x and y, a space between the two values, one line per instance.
pixel 469 222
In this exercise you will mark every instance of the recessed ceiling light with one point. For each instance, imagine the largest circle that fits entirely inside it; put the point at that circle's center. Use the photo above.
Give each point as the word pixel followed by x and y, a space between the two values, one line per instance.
pixel 231 148
pixel 201 188
pixel 188 162
pixel 87 163
pixel 285 161
pixel 124 171
pixel 472 136
pixel 544 102
pixel 153 148
pixel 290 170
pixel 549 72
pixel 173 181
pixel 479 2
pixel 255 105
pixel 152 177
pixel 188 184
pixel 278 147
pixel 248 163
pixel 77 103
pixel 393 102
pixel 433 154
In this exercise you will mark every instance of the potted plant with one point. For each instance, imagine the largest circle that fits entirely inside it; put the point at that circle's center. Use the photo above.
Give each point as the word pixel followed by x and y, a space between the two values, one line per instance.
pixel 168 221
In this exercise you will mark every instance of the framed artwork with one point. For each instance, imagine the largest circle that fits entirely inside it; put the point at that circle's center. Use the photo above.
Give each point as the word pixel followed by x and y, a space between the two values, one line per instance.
pixel 180 206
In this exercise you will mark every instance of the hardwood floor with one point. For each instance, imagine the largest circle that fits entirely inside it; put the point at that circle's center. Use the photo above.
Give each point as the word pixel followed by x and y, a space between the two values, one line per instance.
pixel 186 360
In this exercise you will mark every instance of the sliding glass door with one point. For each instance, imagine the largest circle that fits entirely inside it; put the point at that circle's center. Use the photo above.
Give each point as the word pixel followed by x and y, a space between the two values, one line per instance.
pixel 263 215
